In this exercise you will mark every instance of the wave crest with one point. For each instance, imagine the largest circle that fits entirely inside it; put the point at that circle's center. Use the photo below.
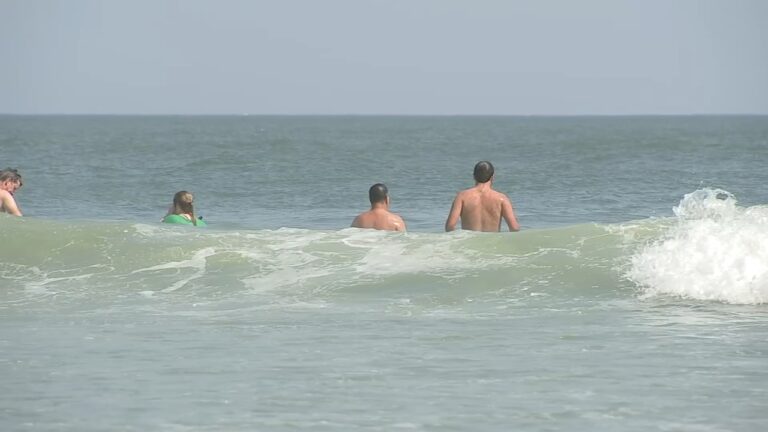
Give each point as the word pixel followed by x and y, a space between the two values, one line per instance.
pixel 715 251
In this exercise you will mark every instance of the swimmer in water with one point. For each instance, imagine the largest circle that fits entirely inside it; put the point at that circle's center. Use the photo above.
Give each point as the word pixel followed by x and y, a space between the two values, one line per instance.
pixel 379 217
pixel 481 208
pixel 10 183
pixel 182 211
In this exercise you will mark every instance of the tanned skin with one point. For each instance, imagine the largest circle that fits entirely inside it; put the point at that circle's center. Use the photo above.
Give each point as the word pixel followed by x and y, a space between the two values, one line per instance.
pixel 379 217
pixel 7 201
pixel 481 208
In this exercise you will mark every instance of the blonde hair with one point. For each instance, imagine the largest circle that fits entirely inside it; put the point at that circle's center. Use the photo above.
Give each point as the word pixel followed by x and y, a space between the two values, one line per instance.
pixel 182 204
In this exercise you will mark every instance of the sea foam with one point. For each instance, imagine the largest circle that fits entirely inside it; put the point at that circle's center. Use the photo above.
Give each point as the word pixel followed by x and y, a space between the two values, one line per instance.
pixel 715 251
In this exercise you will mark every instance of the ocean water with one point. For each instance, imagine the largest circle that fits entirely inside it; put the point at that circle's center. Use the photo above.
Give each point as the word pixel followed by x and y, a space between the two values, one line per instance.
pixel 635 297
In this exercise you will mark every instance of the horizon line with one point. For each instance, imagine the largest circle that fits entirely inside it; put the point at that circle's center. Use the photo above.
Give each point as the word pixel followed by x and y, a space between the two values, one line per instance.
pixel 83 114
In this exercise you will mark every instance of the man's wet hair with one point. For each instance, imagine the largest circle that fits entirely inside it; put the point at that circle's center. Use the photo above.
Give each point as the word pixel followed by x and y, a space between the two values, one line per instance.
pixel 377 193
pixel 10 174
pixel 483 171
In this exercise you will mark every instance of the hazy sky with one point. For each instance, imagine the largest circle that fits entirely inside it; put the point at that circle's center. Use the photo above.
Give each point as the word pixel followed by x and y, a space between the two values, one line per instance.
pixel 384 56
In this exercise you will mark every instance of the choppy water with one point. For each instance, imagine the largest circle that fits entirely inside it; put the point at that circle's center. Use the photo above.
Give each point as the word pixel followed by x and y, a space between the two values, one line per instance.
pixel 633 299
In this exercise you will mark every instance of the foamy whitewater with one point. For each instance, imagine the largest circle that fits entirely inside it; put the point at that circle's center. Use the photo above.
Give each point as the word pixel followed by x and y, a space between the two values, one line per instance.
pixel 714 251
pixel 633 299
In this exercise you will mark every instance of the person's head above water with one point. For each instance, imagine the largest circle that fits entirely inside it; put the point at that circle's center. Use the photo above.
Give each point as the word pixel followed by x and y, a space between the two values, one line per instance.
pixel 379 217
pixel 182 204
pixel 483 172
pixel 10 180
pixel 378 193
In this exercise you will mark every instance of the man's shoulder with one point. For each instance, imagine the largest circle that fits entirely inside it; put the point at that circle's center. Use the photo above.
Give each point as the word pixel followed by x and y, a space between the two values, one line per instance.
pixel 465 192
pixel 498 194
pixel 6 197
pixel 396 216
pixel 396 222
pixel 367 213
pixel 392 215
pixel 358 218
pixel 363 218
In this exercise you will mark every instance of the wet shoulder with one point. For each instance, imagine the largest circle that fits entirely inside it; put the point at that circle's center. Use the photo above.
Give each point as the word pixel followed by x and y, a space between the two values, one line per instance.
pixel 502 196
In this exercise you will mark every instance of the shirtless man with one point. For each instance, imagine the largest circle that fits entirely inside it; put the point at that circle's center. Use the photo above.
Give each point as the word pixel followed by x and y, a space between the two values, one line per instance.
pixel 379 217
pixel 481 208
pixel 10 182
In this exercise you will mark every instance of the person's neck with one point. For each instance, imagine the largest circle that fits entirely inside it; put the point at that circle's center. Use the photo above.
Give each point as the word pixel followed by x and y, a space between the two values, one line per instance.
pixel 484 186
pixel 380 206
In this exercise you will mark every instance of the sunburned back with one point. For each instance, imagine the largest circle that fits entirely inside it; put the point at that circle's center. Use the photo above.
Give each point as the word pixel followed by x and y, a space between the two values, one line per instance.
pixel 481 210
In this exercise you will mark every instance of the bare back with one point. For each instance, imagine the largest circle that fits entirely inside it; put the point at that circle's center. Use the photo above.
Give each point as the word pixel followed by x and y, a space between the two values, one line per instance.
pixel 481 209
pixel 379 219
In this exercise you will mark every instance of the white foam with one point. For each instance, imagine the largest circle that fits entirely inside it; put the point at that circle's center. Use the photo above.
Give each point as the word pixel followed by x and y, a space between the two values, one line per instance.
pixel 285 277
pixel 197 262
pixel 716 251
pixel 390 255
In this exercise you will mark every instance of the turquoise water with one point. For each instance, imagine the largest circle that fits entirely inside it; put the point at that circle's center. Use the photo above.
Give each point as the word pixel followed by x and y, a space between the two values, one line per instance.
pixel 633 298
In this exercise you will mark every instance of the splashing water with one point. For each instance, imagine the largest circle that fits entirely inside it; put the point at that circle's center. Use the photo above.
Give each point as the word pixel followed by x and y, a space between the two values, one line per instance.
pixel 716 251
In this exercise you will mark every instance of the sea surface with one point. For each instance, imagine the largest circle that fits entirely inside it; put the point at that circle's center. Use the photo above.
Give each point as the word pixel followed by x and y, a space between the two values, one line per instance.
pixel 635 297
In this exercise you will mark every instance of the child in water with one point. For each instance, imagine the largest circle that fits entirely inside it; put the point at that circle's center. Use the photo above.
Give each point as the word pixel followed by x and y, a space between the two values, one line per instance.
pixel 182 211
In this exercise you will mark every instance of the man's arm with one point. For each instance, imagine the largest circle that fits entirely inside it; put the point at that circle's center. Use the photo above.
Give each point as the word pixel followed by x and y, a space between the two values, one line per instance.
pixel 454 214
pixel 9 204
pixel 508 213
